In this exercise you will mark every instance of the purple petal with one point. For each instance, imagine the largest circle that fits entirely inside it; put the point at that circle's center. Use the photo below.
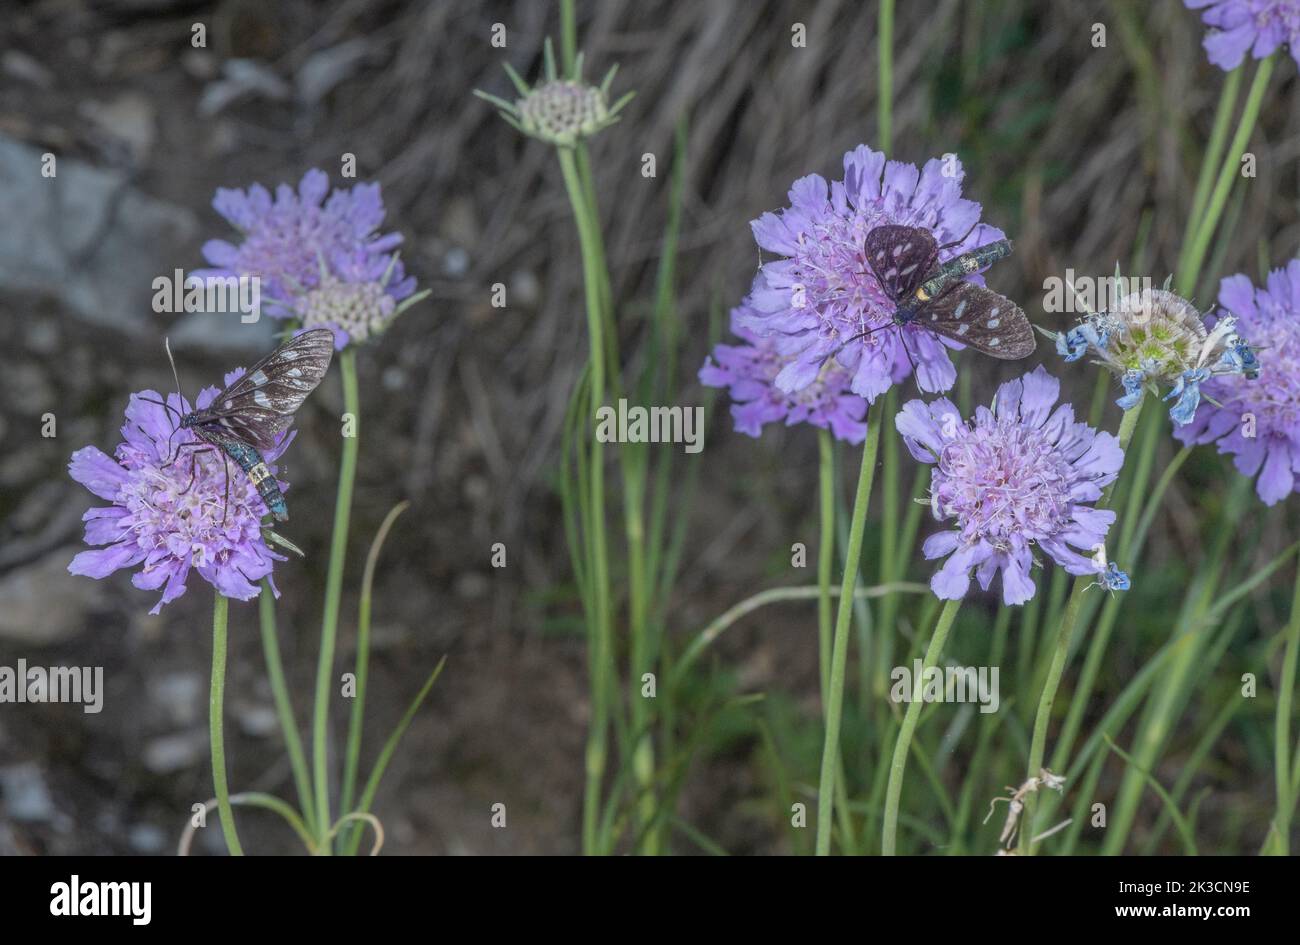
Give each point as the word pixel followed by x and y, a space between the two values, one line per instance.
pixel 1039 395
pixel 101 562
pixel 1017 586
pixel 952 581
pixel 98 472
pixel 1276 481
pixel 940 544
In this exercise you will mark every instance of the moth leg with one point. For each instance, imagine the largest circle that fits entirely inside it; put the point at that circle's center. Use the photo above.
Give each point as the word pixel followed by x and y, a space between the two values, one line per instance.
pixel 194 471
pixel 902 340
pixel 199 447
pixel 963 239
pixel 225 502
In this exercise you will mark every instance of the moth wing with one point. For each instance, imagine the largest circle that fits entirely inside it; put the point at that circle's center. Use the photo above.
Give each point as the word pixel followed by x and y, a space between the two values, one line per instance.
pixel 900 258
pixel 259 405
pixel 981 319
pixel 259 428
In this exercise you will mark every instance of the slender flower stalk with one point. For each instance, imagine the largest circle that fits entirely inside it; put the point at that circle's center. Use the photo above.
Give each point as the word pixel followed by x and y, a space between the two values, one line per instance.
pixel 840 643
pixel 352 756
pixel 216 725
pixel 1209 162
pixel 1061 651
pixel 1286 789
pixel 333 597
pixel 885 56
pixel 563 110
pixel 1231 170
pixel 284 706
pixel 825 557
pixel 600 643
pixel 898 766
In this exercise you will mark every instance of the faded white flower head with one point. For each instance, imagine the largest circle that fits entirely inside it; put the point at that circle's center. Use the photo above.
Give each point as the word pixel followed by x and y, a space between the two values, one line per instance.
pixel 1154 337
pixel 560 110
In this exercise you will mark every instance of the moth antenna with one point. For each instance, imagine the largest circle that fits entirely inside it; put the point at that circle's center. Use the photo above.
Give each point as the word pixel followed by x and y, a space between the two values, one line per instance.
pixel 163 404
pixel 902 339
pixel 1075 292
pixel 973 228
pixel 176 377
pixel 858 337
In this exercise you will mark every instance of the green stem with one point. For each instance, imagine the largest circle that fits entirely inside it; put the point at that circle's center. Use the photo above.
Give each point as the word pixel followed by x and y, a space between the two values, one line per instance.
pixel 352 756
pixel 333 594
pixel 568 38
pixel 885 102
pixel 1205 228
pixel 825 558
pixel 599 566
pixel 710 633
pixel 840 644
pixel 897 767
pixel 1130 550
pixel 1282 728
pixel 1210 160
pixel 1061 653
pixel 283 704
pixel 216 726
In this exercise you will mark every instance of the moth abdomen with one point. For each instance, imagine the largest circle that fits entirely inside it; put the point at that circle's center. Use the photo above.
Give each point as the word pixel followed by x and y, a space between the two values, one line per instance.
pixel 259 474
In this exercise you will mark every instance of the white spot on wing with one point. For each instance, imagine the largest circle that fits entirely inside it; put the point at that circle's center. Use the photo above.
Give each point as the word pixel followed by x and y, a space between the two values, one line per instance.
pixel 258 377
pixel 994 342
pixel 260 398
pixel 994 322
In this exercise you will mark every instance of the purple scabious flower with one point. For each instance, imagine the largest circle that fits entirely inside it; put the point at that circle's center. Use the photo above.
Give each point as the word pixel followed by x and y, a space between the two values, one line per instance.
pixel 1020 474
pixel 1236 26
pixel 1255 416
pixel 749 373
pixel 820 295
pixel 169 511
pixel 299 242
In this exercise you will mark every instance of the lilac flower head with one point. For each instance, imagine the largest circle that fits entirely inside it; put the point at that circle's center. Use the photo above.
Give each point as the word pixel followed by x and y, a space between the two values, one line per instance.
pixel 1257 420
pixel 169 512
pixel 299 240
pixel 1257 26
pixel 749 372
pixel 821 295
pixel 1020 474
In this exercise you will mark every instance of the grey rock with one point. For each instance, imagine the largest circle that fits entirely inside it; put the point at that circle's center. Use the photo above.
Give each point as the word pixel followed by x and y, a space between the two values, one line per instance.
pixel 257 721
pixel 171 753
pixel 26 795
pixel 43 603
pixel 147 838
pixel 180 697
pixel 87 237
